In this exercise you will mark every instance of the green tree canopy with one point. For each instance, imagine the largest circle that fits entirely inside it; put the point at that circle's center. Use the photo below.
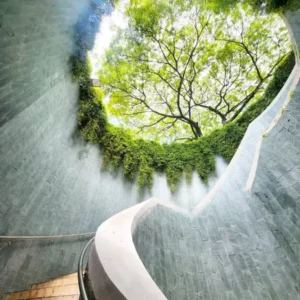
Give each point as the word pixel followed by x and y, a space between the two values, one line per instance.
pixel 268 5
pixel 180 71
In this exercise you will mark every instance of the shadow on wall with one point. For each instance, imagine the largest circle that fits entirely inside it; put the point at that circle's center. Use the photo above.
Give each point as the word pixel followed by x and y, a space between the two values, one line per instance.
pixel 188 195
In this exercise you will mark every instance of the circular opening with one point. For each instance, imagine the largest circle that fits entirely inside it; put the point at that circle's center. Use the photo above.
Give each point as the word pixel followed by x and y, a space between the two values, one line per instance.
pixel 180 84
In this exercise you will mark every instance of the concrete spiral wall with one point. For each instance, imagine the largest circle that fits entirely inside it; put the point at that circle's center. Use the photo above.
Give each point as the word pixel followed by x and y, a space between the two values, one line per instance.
pixel 50 180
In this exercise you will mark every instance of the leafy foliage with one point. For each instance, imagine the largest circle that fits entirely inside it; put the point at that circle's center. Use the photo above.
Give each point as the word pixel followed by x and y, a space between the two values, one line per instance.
pixel 226 140
pixel 179 71
pixel 141 158
pixel 227 5
pixel 293 4
pixel 275 5
pixel 272 5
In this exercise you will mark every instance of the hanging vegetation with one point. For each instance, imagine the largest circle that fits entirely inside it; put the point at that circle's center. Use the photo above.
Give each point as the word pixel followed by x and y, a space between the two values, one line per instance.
pixel 270 5
pixel 140 158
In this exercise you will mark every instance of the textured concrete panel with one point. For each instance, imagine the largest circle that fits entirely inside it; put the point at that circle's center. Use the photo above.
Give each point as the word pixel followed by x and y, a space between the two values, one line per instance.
pixel 37 117
pixel 35 44
pixel 277 186
pixel 50 180
pixel 227 252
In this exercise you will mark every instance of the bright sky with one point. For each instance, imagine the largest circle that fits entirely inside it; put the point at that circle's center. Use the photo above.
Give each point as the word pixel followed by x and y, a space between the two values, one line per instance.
pixel 107 31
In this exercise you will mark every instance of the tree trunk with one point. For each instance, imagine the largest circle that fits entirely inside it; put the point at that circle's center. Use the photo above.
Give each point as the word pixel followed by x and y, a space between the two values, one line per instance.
pixel 224 121
pixel 196 130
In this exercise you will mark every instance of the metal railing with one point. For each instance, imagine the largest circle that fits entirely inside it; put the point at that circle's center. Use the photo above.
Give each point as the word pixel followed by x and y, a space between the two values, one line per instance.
pixel 82 288
pixel 44 237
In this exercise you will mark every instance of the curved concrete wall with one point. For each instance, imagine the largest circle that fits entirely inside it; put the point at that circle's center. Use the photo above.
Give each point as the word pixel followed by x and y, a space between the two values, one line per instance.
pixel 50 180
pixel 238 244
pixel 37 117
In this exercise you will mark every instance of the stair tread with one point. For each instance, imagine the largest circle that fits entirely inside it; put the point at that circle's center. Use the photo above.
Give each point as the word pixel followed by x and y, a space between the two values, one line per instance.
pixel 55 282
pixel 67 276
pixel 60 288
pixel 46 292
pixel 73 297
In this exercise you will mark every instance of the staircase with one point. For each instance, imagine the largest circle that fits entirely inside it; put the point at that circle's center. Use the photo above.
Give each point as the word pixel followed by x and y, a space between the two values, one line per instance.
pixel 61 288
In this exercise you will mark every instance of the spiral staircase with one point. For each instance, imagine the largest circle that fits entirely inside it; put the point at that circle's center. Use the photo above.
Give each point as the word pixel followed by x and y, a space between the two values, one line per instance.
pixel 242 241
pixel 61 288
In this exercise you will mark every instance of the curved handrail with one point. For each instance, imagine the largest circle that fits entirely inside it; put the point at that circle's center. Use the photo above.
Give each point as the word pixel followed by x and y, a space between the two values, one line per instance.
pixel 82 289
pixel 114 251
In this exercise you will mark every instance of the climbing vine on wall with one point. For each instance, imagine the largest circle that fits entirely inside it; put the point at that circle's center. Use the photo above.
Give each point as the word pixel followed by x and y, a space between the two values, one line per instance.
pixel 140 158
